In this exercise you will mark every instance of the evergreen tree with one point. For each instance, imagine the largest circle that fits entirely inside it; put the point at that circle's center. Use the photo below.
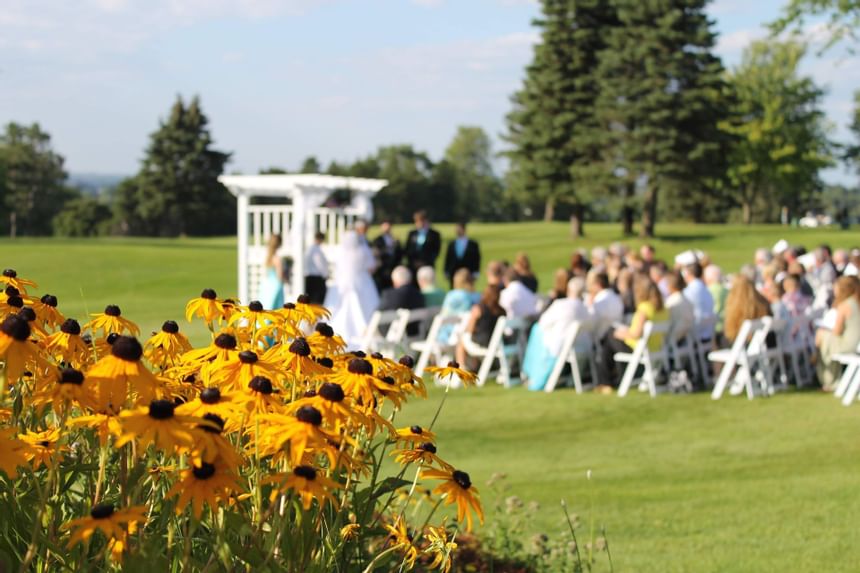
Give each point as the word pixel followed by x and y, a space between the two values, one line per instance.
pixel 477 190
pixel 660 103
pixel 310 165
pixel 31 180
pixel 177 190
pixel 552 128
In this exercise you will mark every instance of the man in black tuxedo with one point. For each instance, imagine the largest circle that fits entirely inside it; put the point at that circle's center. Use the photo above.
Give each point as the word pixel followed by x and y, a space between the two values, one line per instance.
pixel 462 253
pixel 389 252
pixel 423 244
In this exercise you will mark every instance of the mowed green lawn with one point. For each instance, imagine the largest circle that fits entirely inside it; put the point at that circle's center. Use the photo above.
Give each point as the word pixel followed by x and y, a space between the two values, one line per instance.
pixel 680 482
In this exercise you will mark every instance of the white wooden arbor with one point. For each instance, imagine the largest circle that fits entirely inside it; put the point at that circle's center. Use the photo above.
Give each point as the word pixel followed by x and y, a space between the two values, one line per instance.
pixel 297 219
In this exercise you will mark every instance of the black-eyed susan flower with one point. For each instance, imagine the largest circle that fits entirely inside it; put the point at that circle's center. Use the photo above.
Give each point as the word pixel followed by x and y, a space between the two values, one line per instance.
pixel 349 531
pixel 222 350
pixel 36 329
pixel 112 522
pixel 16 348
pixel 313 312
pixel 166 347
pixel 120 373
pixel 441 548
pixel 306 481
pixel 423 453
pixel 291 320
pixel 298 361
pixel 451 371
pixel 45 447
pixel 260 397
pixel 254 315
pixel 228 406
pixel 10 277
pixel 111 320
pixel 238 374
pixel 210 446
pixel 358 381
pixel 302 432
pixel 158 424
pixel 105 425
pixel 206 306
pixel 400 540
pixel 66 389
pixel 46 309
pixel 67 346
pixel 206 483
pixel 415 435
pixel 456 487
pixel 329 399
pixel 324 342
pixel 101 346
pixel 13 452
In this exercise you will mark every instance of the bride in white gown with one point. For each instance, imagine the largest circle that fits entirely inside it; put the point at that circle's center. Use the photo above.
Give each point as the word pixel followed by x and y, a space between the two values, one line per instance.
pixel 352 298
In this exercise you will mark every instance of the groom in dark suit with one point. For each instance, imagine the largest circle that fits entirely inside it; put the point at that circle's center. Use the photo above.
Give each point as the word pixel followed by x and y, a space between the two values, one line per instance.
pixel 423 244
pixel 463 253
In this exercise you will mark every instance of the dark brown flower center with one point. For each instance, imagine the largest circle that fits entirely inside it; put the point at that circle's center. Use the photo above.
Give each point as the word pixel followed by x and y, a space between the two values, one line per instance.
pixel 16 327
pixel 49 300
pixel 11 273
pixel 170 327
pixel 306 472
pixel 248 357
pixel 111 338
pixel 300 346
pixel 377 355
pixel 15 301
pixel 310 393
pixel 289 306
pixel 27 313
pixel 325 361
pixel 309 415
pixel 388 380
pixel 407 361
pixel 417 430
pixel 360 366
pixel 332 392
pixel 71 326
pixel 453 364
pixel 112 310
pixel 11 291
pixel 216 426
pixel 261 384
pixel 303 299
pixel 127 348
pixel 71 376
pixel 208 294
pixel 45 443
pixel 359 354
pixel 161 409
pixel 225 341
pixel 255 306
pixel 428 447
pixel 324 330
pixel 203 471
pixel 101 511
pixel 210 395
pixel 462 479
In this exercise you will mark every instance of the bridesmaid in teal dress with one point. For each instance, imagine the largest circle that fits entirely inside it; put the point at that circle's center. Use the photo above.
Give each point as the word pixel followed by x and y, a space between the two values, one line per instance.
pixel 272 289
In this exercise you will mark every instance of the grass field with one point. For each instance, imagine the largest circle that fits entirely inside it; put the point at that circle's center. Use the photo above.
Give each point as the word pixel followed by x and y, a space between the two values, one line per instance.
pixel 681 483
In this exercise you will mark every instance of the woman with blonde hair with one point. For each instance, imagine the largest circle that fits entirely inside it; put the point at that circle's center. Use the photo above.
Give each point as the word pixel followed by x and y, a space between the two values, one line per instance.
pixel 743 302
pixel 844 336
pixel 649 307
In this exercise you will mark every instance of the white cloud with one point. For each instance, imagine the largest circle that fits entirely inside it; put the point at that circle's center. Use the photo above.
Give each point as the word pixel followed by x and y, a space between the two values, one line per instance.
pixel 731 45
pixel 428 3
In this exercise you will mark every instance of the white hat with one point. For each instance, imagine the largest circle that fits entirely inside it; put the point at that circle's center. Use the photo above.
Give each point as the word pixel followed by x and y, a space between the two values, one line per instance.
pixel 780 247
pixel 686 258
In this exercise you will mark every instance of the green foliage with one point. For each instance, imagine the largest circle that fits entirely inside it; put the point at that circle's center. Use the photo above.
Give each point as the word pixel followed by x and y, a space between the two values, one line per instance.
pixel 177 191
pixel 83 216
pixel 843 17
pixel 781 135
pixel 31 180
pixel 478 192
pixel 310 165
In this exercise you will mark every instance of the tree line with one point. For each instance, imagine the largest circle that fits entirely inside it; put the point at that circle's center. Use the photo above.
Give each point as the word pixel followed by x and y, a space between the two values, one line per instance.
pixel 625 114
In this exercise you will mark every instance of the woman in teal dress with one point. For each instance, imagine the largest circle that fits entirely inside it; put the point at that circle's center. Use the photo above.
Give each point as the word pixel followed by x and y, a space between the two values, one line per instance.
pixel 272 288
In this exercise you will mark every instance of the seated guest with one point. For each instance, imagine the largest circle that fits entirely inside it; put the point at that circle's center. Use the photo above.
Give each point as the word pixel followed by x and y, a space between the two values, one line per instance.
pixel 547 335
pixel 579 265
pixel 713 277
pixel 649 306
pixel 481 323
pixel 773 292
pixel 458 301
pixel 523 267
pixel 795 301
pixel 844 336
pixel 624 286
pixel 658 270
pixel 697 293
pixel 403 293
pixel 559 284
pixel 517 299
pixel 744 302
pixel 604 304
pixel 682 316
pixel 433 295
pixel 496 274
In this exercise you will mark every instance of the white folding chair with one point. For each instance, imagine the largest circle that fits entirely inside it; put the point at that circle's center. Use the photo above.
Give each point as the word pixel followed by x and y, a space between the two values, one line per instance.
pixel 568 355
pixel 705 345
pixel 431 347
pixel 380 320
pixel 490 353
pixel 738 359
pixel 849 383
pixel 772 360
pixel 681 353
pixel 642 356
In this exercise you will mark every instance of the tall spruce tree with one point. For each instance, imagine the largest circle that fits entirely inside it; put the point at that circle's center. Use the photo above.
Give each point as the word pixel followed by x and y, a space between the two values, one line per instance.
pixel 660 102
pixel 177 191
pixel 552 128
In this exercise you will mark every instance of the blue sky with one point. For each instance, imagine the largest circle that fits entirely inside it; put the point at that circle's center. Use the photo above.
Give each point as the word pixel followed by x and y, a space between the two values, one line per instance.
pixel 284 79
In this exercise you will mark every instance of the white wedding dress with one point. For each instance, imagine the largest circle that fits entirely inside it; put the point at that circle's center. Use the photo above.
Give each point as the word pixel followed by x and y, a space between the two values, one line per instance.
pixel 353 298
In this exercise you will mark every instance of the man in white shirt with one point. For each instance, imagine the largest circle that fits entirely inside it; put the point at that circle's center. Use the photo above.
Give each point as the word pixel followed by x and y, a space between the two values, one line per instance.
pixel 516 298
pixel 697 293
pixel 561 314
pixel 604 304
pixel 316 271
pixel 682 316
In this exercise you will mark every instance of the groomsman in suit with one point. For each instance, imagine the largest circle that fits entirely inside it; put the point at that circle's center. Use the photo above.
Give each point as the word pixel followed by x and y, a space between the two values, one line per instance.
pixel 462 253
pixel 389 252
pixel 423 244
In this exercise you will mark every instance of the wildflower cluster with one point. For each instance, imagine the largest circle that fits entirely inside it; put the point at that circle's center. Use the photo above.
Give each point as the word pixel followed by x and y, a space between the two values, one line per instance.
pixel 261 451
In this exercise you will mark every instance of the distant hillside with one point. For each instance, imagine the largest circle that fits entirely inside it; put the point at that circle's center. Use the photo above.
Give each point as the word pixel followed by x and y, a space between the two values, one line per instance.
pixel 94 183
